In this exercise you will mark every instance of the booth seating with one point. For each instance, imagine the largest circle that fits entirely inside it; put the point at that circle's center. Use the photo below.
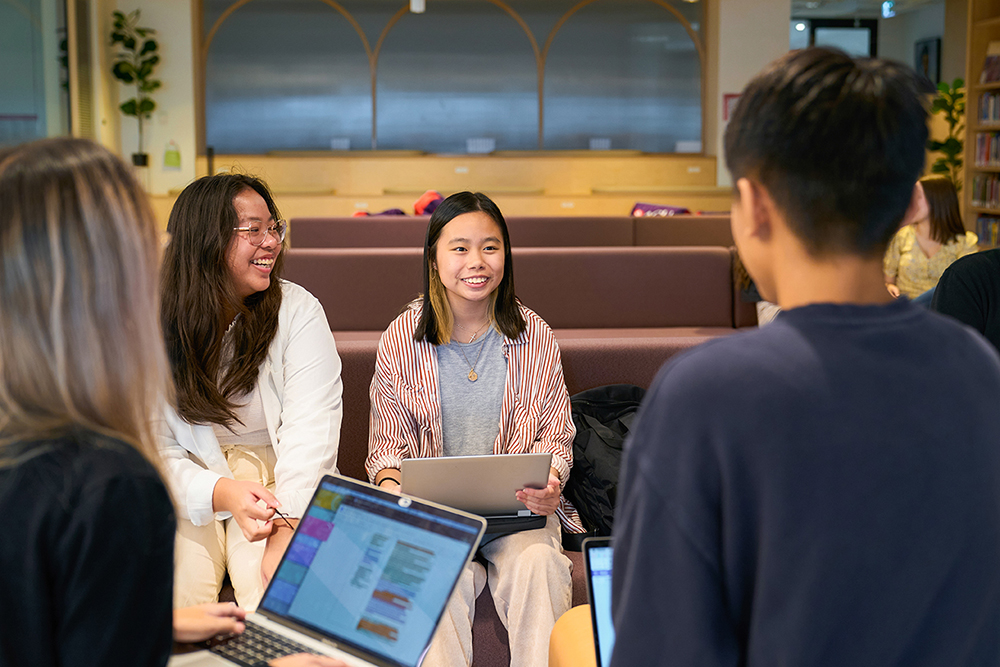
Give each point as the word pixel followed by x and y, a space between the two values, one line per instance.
pixel 525 231
pixel 618 313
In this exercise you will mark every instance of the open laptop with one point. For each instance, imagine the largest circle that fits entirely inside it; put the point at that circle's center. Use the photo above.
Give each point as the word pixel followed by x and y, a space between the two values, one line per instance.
pixel 483 485
pixel 597 555
pixel 365 579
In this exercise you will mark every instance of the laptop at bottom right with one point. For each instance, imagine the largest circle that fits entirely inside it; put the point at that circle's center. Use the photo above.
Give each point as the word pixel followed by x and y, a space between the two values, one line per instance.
pixel 597 555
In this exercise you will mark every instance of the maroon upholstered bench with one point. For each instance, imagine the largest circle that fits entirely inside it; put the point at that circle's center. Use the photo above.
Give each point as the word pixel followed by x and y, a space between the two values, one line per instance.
pixel 525 231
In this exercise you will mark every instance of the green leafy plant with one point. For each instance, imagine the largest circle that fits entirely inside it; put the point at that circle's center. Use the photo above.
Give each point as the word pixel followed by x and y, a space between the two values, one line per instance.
pixel 950 101
pixel 134 64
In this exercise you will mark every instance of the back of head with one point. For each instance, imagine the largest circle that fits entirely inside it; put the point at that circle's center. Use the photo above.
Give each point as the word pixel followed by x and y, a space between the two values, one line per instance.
pixel 838 143
pixel 942 208
pixel 80 342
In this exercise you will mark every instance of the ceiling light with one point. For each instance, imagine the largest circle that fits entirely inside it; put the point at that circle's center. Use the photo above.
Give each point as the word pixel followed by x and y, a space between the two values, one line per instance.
pixel 800 27
pixel 417 6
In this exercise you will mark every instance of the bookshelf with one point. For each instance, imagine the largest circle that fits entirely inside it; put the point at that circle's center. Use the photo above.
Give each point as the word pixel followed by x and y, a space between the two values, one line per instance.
pixel 982 135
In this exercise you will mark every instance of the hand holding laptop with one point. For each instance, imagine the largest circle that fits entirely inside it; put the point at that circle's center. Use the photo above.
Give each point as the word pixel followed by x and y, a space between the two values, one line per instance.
pixel 542 501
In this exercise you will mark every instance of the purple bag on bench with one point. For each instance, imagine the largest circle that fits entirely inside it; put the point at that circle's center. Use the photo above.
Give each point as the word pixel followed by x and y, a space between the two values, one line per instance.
pixel 641 210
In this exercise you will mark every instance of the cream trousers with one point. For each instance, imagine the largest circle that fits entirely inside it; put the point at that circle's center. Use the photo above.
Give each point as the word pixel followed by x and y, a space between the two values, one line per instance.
pixel 531 583
pixel 203 554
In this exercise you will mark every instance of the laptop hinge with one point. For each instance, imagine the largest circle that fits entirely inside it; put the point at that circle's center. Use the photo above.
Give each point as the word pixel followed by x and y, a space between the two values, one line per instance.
pixel 524 512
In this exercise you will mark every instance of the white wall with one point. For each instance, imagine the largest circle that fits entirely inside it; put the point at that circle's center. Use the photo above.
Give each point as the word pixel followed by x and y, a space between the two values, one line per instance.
pixel 898 35
pixel 956 15
pixel 174 118
pixel 751 33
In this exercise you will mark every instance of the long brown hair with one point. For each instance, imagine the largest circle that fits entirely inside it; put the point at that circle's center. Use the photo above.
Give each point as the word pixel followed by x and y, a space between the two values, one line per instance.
pixel 80 341
pixel 942 206
pixel 435 323
pixel 198 296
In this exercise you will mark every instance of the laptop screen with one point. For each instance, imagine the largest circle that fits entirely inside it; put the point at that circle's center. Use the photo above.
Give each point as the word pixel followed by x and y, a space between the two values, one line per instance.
pixel 599 556
pixel 371 569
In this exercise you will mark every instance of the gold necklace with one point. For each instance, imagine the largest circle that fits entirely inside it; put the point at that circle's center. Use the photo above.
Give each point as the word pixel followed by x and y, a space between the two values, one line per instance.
pixel 472 367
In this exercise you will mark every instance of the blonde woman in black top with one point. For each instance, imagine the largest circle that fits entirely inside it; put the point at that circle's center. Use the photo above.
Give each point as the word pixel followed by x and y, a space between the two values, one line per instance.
pixel 88 546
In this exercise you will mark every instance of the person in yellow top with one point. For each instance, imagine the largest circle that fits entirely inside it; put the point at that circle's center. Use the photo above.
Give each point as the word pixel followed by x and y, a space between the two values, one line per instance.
pixel 920 252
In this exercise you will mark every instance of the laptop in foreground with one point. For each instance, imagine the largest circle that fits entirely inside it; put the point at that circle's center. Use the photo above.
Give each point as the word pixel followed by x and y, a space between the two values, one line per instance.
pixel 365 579
pixel 597 555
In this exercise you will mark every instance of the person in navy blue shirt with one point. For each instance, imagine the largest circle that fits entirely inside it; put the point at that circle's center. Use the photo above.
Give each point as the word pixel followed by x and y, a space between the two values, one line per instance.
pixel 825 490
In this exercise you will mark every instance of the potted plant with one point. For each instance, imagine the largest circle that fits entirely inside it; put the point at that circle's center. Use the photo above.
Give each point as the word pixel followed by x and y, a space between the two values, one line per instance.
pixel 950 101
pixel 134 64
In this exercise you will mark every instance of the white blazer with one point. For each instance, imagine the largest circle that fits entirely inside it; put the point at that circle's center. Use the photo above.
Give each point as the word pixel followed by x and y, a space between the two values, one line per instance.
pixel 301 390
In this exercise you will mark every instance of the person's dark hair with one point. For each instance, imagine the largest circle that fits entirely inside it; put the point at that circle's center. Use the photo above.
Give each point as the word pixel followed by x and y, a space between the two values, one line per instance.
pixel 436 318
pixel 198 298
pixel 942 207
pixel 837 142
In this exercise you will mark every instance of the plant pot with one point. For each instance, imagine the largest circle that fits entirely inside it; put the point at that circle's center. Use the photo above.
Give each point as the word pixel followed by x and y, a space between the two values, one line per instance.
pixel 140 159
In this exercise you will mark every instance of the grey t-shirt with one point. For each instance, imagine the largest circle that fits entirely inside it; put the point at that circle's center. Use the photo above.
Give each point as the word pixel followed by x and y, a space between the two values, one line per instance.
pixel 470 411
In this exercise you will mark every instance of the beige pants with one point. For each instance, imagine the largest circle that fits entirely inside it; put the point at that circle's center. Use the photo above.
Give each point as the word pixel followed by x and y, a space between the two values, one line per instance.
pixel 203 554
pixel 532 586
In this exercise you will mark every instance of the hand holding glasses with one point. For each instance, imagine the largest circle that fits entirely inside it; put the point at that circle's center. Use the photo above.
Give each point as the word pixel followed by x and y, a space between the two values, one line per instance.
pixel 257 233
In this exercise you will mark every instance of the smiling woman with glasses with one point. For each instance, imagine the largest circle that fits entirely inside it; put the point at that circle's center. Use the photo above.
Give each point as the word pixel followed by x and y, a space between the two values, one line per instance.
pixel 257 417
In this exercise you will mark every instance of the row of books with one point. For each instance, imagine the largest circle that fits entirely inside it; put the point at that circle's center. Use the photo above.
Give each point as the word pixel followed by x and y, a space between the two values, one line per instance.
pixel 989 108
pixel 986 190
pixel 988 149
pixel 988 229
pixel 991 68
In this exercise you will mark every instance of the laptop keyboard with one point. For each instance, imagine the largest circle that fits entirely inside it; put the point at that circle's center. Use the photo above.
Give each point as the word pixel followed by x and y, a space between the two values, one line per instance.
pixel 256 646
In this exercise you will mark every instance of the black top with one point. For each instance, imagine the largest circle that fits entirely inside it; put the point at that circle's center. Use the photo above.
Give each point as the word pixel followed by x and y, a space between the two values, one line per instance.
pixel 86 555
pixel 822 491
pixel 969 291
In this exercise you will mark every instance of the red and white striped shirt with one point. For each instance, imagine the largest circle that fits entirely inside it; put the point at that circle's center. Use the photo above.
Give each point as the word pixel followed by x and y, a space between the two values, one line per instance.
pixel 534 416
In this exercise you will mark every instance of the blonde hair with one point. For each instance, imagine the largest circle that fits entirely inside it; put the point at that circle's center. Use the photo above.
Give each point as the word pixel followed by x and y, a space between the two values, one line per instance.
pixel 438 298
pixel 80 340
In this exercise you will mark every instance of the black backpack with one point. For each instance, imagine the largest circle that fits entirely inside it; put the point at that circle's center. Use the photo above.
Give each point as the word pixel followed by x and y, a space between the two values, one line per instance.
pixel 603 417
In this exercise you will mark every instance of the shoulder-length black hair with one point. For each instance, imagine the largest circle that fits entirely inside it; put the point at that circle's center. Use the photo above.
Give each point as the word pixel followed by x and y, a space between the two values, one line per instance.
pixel 942 207
pixel 198 299
pixel 435 317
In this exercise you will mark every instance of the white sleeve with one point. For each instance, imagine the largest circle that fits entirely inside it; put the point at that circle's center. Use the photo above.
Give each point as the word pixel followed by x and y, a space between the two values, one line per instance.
pixel 190 484
pixel 308 434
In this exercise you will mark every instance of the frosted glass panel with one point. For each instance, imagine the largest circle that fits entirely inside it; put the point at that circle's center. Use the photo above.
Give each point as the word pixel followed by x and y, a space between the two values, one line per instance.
pixel 286 75
pixel 295 74
pixel 460 71
pixel 22 98
pixel 627 71
pixel 854 41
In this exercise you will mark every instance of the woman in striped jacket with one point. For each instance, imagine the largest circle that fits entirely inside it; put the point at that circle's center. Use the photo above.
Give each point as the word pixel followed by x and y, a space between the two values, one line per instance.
pixel 468 370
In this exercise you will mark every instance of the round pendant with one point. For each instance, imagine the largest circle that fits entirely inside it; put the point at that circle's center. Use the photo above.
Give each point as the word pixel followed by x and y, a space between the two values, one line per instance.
pixel 472 376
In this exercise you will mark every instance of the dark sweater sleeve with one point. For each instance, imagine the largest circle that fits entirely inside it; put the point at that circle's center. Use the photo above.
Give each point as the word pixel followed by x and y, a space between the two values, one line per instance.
pixel 668 599
pixel 959 295
pixel 116 570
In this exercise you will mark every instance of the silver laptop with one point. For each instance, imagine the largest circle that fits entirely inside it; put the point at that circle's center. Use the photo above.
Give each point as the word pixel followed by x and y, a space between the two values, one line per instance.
pixel 483 485
pixel 365 579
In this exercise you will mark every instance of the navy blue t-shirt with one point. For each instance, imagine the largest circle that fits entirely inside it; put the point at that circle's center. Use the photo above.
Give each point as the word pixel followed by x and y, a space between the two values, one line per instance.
pixel 822 491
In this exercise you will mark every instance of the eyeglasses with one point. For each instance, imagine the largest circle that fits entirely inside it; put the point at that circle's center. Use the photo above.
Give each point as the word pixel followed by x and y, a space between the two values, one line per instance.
pixel 256 234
